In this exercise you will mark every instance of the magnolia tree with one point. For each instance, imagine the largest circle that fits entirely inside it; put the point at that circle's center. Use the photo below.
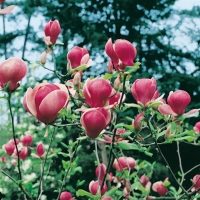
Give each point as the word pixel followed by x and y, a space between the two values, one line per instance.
pixel 94 107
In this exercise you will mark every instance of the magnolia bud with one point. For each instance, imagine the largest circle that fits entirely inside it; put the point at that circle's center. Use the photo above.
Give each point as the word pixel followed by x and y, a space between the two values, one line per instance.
pixel 117 83
pixel 26 140
pixel 43 58
pixel 110 67
pixel 3 159
pixel 77 79
pixel 40 150
pixel 24 153
pixel 65 196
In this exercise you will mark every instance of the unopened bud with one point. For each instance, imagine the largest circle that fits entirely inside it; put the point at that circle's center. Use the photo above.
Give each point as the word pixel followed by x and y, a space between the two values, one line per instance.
pixel 168 132
pixel 117 83
pixel 110 67
pixel 77 79
pixel 40 150
pixel 43 58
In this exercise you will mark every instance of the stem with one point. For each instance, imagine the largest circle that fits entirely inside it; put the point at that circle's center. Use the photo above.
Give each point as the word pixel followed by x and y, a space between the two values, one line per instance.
pixel 40 190
pixel 157 145
pixel 68 169
pixel 97 156
pixel 4 33
pixel 26 36
pixel 14 136
pixel 180 163
pixel 114 134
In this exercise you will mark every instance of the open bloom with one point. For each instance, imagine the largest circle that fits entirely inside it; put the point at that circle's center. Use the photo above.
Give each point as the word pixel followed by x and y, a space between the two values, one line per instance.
pixel 12 70
pixel 94 187
pixel 144 90
pixel 94 120
pixel 124 163
pixel 52 29
pixel 96 92
pixel 159 188
pixel 45 101
pixel 122 53
pixel 177 103
pixel 78 56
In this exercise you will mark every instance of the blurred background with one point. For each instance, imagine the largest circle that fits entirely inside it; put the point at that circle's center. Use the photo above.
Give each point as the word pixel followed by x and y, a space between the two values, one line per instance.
pixel 166 34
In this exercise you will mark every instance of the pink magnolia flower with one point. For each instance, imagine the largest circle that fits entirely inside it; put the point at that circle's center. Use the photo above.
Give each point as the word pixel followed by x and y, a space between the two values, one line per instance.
pixel 122 53
pixel 12 70
pixel 9 148
pixel 45 101
pixel 52 29
pixel 124 163
pixel 115 97
pixel 26 140
pixel 107 198
pixel 13 162
pixel 159 188
pixel 66 196
pixel 94 120
pixel 78 56
pixel 177 103
pixel 23 153
pixel 144 180
pixel 100 171
pixel 13 142
pixel 137 123
pixel 40 150
pixel 196 182
pixel 6 10
pixel 144 90
pixel 3 159
pixel 197 127
pixel 94 187
pixel 96 92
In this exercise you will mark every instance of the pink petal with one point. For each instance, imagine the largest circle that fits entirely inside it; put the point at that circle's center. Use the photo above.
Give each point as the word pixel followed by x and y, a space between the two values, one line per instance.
pixel 165 109
pixel 6 10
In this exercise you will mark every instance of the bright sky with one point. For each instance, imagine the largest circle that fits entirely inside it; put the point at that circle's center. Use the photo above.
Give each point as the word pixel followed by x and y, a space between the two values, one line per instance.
pixel 186 4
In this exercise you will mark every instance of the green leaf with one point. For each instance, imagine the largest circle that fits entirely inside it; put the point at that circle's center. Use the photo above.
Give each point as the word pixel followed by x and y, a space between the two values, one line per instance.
pixel 166 183
pixel 79 183
pixel 128 146
pixel 64 154
pixel 1 152
pixel 59 43
pixel 80 68
pixel 64 145
pixel 131 69
pixel 148 153
pixel 85 193
pixel 107 76
pixel 134 105
pixel 111 192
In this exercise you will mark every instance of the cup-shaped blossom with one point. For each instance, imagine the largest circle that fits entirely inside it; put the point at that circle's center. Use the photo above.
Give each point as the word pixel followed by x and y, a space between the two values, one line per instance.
pixel 26 140
pixel 45 101
pixel 159 188
pixel 144 180
pixel 137 123
pixel 115 97
pixel 94 120
pixel 197 127
pixel 9 148
pixel 66 196
pixel 40 150
pixel 23 153
pixel 94 187
pixel 78 56
pixel 52 29
pixel 144 90
pixel 100 171
pixel 96 92
pixel 12 70
pixel 178 101
pixel 122 53
pixel 124 163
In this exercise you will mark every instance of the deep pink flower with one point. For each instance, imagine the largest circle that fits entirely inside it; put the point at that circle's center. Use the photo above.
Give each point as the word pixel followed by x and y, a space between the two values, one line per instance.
pixel 94 186
pixel 100 171
pixel 94 120
pixel 122 53
pixel 23 153
pixel 3 159
pixel 26 140
pixel 197 127
pixel 144 90
pixel 78 56
pixel 144 180
pixel 159 188
pixel 66 196
pixel 196 182
pixel 124 163
pixel 115 97
pixel 137 123
pixel 177 103
pixel 96 92
pixel 12 70
pixel 52 29
pixel 40 150
pixel 45 101
pixel 9 148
